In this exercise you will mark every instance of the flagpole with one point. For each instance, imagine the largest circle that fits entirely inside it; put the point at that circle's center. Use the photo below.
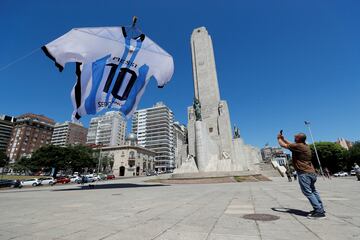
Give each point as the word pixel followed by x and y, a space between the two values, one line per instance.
pixel 316 153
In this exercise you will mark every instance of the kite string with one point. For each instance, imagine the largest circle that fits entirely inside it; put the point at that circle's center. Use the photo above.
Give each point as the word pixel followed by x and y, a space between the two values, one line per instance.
pixel 19 59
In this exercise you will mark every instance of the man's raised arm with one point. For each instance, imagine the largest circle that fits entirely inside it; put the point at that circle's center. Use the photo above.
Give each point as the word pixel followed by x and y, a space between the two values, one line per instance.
pixel 282 141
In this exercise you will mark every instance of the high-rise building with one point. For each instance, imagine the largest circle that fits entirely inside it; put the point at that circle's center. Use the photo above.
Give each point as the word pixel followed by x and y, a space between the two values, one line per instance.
pixel 6 126
pixel 180 143
pixel 68 133
pixel 107 130
pixel 154 128
pixel 30 132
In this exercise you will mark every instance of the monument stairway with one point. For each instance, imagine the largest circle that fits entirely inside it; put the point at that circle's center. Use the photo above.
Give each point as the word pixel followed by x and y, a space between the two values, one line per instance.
pixel 267 169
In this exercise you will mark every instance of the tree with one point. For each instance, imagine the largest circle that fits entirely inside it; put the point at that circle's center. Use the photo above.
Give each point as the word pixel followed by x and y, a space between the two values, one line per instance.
pixel 107 163
pixel 353 155
pixel 4 160
pixel 74 158
pixel 50 157
pixel 331 155
pixel 81 157
pixel 25 165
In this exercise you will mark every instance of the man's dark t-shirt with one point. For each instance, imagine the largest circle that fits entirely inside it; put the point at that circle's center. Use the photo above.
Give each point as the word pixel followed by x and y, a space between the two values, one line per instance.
pixel 301 157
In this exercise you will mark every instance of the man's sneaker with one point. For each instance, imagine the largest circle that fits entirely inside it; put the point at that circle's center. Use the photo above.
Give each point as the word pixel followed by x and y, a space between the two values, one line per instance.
pixel 313 211
pixel 316 215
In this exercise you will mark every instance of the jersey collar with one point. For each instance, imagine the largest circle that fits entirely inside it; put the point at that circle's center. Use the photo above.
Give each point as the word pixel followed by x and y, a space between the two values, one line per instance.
pixel 141 37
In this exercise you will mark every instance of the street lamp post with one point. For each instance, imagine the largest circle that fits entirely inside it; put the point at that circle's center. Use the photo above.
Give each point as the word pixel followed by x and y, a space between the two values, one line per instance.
pixel 307 123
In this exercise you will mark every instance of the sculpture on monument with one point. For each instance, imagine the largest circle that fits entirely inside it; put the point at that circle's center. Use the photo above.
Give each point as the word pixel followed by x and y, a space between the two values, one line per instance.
pixel 197 109
pixel 236 132
pixel 221 108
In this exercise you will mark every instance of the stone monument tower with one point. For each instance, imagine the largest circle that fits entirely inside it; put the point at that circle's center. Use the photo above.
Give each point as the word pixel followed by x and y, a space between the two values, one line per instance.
pixel 214 112
pixel 210 137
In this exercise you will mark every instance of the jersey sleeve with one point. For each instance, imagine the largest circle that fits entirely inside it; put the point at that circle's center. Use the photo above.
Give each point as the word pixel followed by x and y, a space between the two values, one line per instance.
pixel 162 63
pixel 79 45
pixel 163 73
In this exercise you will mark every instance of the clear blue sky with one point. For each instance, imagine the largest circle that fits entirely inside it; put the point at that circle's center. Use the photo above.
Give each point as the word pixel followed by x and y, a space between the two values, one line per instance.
pixel 278 62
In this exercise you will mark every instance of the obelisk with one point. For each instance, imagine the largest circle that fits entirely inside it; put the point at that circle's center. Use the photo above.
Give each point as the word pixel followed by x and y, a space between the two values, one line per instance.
pixel 214 112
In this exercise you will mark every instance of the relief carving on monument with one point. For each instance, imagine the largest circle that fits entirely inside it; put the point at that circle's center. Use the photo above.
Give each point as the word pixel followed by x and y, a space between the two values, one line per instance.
pixel 191 114
pixel 225 155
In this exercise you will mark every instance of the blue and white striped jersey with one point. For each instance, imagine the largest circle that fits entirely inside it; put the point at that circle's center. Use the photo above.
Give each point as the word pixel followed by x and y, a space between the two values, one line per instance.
pixel 112 69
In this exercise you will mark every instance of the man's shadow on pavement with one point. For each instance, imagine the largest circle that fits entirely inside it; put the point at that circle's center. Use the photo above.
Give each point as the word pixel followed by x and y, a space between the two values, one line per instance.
pixel 291 211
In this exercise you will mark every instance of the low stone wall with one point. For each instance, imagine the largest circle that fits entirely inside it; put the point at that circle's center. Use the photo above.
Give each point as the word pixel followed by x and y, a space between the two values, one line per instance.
pixel 211 174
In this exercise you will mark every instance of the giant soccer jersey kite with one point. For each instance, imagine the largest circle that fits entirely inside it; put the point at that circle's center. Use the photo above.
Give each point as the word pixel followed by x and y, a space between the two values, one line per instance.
pixel 112 68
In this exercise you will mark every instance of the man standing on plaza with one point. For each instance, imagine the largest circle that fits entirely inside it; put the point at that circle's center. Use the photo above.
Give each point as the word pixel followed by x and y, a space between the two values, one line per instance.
pixel 301 157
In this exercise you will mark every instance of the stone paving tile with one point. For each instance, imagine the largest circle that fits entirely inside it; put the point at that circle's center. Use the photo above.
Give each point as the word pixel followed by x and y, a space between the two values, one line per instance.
pixel 233 237
pixel 195 211
pixel 252 231
pixel 182 235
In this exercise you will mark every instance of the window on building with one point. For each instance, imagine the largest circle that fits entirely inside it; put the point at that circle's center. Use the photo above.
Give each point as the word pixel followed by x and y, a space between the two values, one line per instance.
pixel 131 163
pixel 144 166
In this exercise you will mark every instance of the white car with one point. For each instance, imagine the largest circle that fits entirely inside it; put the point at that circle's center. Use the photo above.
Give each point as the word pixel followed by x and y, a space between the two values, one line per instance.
pixel 75 179
pixel 47 181
pixel 341 174
pixel 31 182
pixel 90 178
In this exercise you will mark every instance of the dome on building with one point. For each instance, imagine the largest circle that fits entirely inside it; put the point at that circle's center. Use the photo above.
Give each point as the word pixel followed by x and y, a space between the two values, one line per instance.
pixel 131 137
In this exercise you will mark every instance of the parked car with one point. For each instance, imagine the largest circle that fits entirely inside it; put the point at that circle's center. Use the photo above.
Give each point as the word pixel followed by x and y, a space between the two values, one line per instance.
pixel 341 174
pixel 47 181
pixel 6 183
pixel 352 172
pixel 10 183
pixel 75 179
pixel 151 173
pixel 110 176
pixel 31 182
pixel 100 176
pixel 63 180
pixel 89 179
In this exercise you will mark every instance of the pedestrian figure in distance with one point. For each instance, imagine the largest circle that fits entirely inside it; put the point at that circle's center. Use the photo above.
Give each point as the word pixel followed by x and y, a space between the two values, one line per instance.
pixel 294 175
pixel 83 180
pixel 327 173
pixel 301 155
pixel 357 171
pixel 288 175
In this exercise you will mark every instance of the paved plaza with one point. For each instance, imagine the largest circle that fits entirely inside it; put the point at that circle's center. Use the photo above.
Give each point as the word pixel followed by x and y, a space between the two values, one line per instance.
pixel 133 209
